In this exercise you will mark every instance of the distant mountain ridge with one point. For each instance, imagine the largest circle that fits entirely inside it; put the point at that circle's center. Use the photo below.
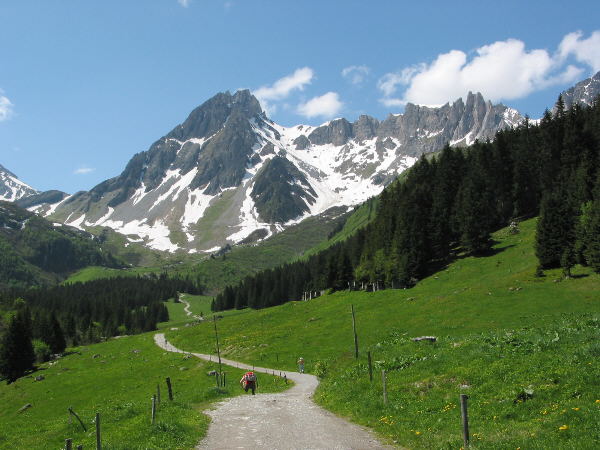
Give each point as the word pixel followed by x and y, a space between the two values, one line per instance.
pixel 11 188
pixel 228 173
pixel 583 93
pixel 34 251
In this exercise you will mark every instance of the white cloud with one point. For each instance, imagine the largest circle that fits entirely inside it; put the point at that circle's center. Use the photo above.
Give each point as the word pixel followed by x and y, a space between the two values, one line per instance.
pixel 283 87
pixel 327 105
pixel 83 170
pixel 503 70
pixel 356 74
pixel 6 107
pixel 184 3
pixel 586 51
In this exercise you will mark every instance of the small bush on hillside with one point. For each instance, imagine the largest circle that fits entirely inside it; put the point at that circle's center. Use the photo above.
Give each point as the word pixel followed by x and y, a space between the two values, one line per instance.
pixel 41 350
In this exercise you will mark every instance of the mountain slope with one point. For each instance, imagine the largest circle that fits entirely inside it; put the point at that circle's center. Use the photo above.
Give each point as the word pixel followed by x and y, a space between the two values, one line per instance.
pixel 11 188
pixel 583 93
pixel 499 330
pixel 34 251
pixel 228 173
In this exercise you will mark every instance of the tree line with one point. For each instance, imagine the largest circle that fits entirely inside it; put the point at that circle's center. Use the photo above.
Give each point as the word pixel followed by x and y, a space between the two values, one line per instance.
pixel 43 321
pixel 449 204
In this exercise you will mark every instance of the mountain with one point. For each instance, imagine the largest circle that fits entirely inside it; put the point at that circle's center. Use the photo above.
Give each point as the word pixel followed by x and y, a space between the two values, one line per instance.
pixel 229 174
pixel 11 188
pixel 41 201
pixel 583 93
pixel 34 251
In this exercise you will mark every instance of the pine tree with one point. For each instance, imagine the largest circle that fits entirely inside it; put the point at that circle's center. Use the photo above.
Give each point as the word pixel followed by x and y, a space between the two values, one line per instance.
pixel 592 231
pixel 555 231
pixel 56 338
pixel 475 214
pixel 16 350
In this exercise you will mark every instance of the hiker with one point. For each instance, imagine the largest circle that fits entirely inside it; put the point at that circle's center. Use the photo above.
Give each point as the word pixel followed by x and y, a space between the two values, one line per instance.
pixel 301 364
pixel 249 381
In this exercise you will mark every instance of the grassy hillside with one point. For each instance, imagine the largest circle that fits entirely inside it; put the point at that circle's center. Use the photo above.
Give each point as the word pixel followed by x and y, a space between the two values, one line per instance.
pixel 117 379
pixel 233 266
pixel 500 329
pixel 96 273
pixel 357 219
pixel 34 252
pixel 245 260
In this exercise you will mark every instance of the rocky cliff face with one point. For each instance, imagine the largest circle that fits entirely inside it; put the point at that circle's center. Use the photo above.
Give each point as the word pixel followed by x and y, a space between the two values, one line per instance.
pixel 228 173
pixel 11 188
pixel 422 129
pixel 583 93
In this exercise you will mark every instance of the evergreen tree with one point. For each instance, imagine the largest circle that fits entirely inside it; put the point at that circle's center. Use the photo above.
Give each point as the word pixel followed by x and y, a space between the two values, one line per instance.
pixel 592 232
pixel 475 215
pixel 16 350
pixel 56 339
pixel 555 231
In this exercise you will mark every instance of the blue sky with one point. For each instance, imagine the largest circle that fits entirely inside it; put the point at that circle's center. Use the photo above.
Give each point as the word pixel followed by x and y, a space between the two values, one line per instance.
pixel 84 85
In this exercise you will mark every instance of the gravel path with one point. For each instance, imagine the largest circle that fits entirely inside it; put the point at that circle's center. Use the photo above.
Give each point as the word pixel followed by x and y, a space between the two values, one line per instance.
pixel 288 420
pixel 187 310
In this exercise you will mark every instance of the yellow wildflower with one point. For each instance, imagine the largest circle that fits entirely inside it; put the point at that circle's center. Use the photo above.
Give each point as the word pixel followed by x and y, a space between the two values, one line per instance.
pixel 575 409
pixel 417 433
pixel 563 428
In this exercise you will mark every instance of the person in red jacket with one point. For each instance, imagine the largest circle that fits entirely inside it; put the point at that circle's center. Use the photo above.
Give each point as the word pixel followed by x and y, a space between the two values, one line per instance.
pixel 249 381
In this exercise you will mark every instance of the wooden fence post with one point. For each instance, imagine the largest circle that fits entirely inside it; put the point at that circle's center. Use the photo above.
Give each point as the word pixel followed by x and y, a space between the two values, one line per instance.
pixel 465 419
pixel 75 414
pixel 98 436
pixel 158 393
pixel 383 380
pixel 355 336
pixel 169 389
pixel 69 444
pixel 370 366
pixel 217 339
pixel 153 408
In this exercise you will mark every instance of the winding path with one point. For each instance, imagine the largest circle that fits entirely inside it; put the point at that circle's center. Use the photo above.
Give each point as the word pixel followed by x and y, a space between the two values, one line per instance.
pixel 288 420
pixel 188 311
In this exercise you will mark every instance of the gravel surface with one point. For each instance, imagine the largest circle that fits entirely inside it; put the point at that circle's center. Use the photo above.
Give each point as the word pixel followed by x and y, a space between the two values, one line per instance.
pixel 288 420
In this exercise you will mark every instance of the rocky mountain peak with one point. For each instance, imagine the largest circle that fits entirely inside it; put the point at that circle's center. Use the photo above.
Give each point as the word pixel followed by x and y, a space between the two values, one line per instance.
pixel 211 116
pixel 583 93
pixel 228 172
pixel 11 188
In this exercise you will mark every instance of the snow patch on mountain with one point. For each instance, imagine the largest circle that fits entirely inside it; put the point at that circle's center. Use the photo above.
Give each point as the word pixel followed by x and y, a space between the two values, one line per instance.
pixel 11 188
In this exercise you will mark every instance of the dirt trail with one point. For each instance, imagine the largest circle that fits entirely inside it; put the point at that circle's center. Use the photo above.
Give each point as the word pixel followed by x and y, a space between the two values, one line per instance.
pixel 288 420
pixel 188 311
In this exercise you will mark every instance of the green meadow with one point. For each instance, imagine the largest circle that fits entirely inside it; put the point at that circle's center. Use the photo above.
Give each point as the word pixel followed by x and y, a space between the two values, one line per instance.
pixel 117 379
pixel 524 348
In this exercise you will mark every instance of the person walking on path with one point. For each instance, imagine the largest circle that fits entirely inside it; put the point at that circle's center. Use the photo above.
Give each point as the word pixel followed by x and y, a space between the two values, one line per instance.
pixel 301 365
pixel 249 381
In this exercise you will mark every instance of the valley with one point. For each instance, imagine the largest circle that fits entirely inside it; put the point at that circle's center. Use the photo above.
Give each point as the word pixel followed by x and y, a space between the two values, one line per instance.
pixel 449 250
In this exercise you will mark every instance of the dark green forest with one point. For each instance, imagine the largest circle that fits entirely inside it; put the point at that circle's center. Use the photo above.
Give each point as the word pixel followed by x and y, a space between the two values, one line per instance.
pixel 43 321
pixel 448 206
